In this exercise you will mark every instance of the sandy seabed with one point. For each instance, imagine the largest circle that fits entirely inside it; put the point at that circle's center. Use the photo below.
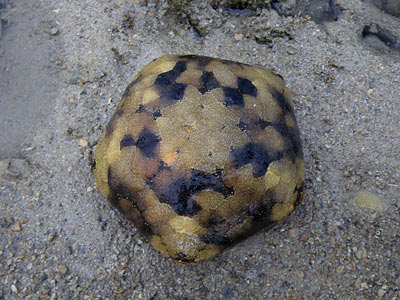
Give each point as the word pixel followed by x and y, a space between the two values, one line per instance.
pixel 64 66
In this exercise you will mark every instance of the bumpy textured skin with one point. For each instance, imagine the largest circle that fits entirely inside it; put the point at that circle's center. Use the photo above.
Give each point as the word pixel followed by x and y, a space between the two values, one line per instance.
pixel 201 153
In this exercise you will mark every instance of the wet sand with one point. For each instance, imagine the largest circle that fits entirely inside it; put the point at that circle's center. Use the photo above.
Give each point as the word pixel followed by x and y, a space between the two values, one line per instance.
pixel 64 67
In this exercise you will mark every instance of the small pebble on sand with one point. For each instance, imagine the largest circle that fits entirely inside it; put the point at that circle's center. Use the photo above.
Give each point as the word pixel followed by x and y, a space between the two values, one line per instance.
pixel 368 200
